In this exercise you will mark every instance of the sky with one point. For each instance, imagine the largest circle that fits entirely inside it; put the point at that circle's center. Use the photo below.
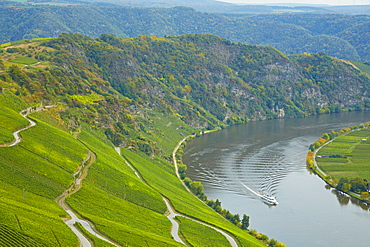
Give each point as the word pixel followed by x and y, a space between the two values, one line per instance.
pixel 328 2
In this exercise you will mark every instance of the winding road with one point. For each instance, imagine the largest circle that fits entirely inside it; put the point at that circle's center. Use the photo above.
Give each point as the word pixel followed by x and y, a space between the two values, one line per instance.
pixel 79 175
pixel 171 212
pixel 231 240
pixel 24 113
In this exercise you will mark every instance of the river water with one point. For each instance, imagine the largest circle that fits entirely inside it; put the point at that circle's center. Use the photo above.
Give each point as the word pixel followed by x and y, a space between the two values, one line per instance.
pixel 269 156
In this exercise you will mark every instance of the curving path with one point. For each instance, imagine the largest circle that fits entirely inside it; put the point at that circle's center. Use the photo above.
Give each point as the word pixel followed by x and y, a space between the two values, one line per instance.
pixel 25 113
pixel 171 212
pixel 79 175
pixel 175 225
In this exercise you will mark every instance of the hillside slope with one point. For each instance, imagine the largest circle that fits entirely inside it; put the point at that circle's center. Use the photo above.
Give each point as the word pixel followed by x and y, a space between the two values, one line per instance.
pixel 143 95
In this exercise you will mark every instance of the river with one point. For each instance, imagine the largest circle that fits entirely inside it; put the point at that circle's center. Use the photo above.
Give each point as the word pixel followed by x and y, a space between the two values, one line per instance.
pixel 269 156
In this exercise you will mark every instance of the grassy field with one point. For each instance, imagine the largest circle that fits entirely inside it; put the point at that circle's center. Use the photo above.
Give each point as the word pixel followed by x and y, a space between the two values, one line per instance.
pixel 24 60
pixel 10 118
pixel 172 129
pixel 363 67
pixel 122 207
pixel 87 99
pixel 19 42
pixel 348 155
pixel 11 101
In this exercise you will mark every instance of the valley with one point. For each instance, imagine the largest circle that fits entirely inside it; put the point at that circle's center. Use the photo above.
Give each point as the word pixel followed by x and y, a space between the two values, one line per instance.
pixel 142 96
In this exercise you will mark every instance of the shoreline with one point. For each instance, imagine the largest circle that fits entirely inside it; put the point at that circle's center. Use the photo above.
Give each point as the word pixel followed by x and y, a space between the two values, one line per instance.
pixel 321 174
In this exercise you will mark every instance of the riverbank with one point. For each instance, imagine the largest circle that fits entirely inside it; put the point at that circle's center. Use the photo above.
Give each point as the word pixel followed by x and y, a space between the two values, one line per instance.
pixel 214 205
pixel 340 154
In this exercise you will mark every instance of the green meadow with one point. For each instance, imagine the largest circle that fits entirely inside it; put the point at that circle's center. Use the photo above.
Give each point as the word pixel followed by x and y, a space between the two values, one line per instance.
pixel 24 60
pixel 348 155
pixel 10 118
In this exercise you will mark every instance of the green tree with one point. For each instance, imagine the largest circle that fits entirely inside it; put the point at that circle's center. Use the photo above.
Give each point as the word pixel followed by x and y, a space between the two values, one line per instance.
pixel 342 181
pixel 245 222
pixel 273 242
pixel 346 187
pixel 196 187
pixel 358 184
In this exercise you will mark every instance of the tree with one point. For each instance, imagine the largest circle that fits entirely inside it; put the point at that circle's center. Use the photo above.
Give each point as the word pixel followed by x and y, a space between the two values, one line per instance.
pixel 365 195
pixel 196 187
pixel 316 145
pixel 358 184
pixel 346 187
pixel 273 242
pixel 235 219
pixel 342 181
pixel 245 222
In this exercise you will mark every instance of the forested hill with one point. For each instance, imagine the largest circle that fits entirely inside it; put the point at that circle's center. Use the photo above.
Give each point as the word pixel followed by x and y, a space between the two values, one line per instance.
pixel 207 80
pixel 291 33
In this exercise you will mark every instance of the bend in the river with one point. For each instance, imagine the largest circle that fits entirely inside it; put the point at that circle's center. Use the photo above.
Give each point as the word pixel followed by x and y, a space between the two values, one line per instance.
pixel 270 156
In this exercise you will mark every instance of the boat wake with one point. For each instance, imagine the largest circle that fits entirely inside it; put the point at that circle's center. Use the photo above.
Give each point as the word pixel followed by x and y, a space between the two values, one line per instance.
pixel 265 197
pixel 254 192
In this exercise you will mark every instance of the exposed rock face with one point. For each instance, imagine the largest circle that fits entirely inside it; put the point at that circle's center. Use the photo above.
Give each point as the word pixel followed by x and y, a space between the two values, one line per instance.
pixel 206 79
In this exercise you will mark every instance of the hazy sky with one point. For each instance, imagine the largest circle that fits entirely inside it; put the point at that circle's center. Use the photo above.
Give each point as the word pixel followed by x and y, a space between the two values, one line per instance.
pixel 329 2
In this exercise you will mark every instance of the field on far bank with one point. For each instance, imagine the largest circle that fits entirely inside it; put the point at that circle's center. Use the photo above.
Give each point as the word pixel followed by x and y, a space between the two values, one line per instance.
pixel 347 156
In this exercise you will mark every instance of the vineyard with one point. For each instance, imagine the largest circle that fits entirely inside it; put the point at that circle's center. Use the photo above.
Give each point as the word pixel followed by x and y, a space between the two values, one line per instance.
pixel 194 234
pixel 347 155
pixel 12 238
pixel 10 121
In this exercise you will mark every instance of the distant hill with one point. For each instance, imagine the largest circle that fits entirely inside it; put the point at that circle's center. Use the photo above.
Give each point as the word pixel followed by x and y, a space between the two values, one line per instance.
pixel 212 6
pixel 339 36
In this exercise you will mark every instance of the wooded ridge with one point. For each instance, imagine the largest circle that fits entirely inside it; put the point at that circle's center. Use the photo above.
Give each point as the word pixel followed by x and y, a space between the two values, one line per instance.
pixel 341 36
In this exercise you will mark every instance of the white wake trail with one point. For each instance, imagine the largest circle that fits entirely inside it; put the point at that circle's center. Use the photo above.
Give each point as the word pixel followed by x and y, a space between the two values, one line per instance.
pixel 254 192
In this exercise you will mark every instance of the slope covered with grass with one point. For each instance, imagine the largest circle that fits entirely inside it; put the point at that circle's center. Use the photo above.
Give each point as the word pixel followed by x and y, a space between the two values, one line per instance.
pixel 32 174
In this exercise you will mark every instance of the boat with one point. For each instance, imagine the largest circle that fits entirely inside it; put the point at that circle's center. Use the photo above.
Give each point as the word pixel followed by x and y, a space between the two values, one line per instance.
pixel 269 199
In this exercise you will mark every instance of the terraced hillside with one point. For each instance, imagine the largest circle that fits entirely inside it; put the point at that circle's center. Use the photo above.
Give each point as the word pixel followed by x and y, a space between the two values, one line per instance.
pixel 141 96
pixel 46 161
